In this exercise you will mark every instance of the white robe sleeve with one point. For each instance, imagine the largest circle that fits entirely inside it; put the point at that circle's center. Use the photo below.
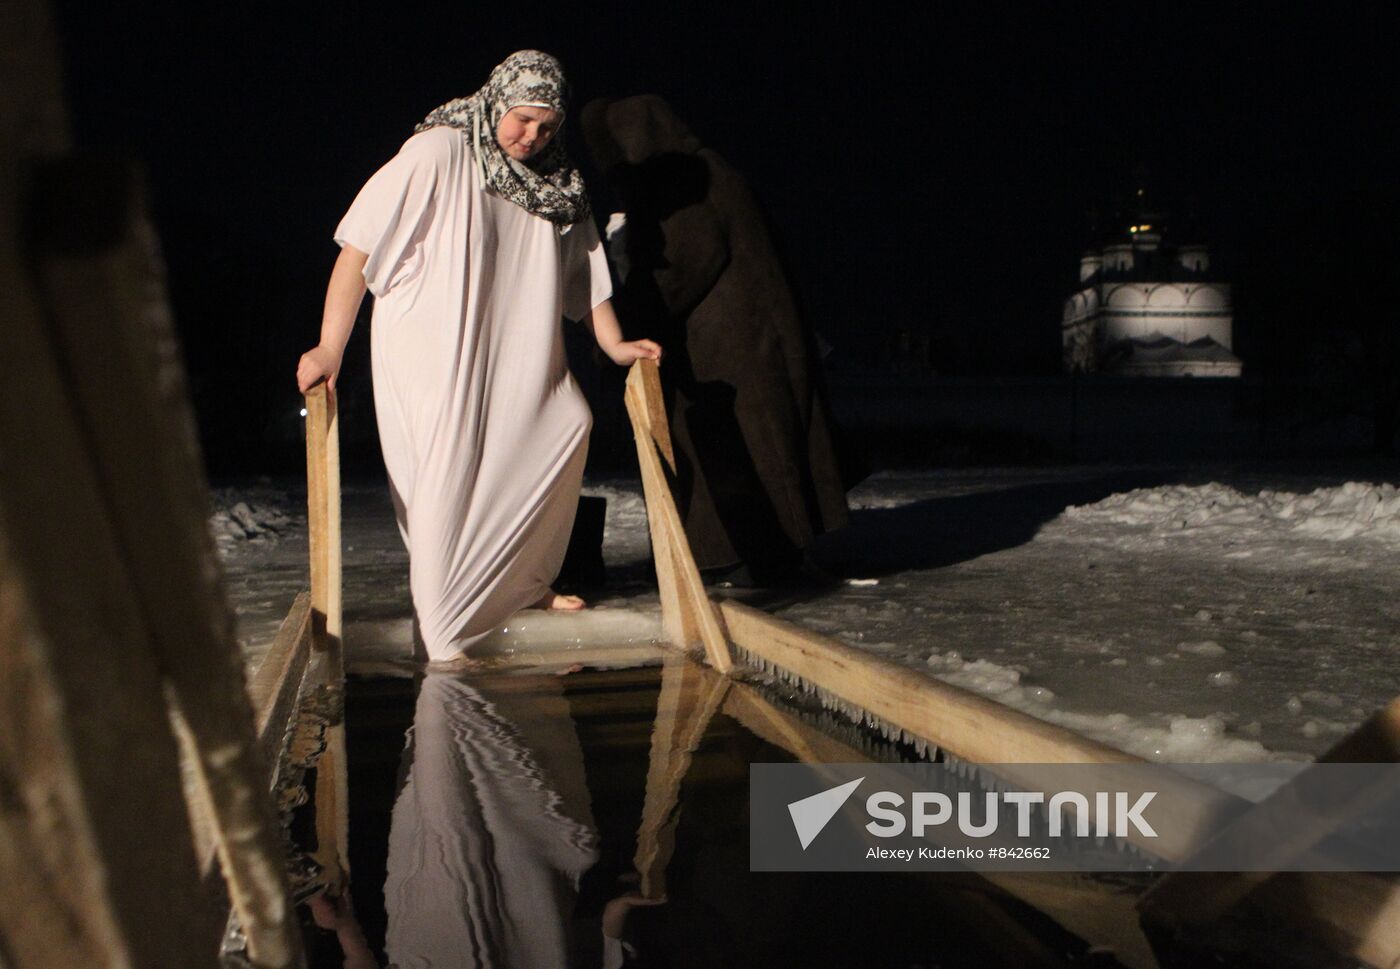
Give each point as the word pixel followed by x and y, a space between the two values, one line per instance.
pixel 388 219
pixel 585 270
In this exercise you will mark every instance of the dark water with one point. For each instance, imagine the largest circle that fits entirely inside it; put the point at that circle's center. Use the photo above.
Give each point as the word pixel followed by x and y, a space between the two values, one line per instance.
pixel 494 821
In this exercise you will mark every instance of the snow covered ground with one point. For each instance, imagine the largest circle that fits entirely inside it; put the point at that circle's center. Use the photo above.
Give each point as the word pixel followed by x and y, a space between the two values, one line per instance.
pixel 1215 615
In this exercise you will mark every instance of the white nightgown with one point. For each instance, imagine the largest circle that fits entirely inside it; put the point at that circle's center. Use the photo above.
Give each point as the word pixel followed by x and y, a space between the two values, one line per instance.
pixel 483 429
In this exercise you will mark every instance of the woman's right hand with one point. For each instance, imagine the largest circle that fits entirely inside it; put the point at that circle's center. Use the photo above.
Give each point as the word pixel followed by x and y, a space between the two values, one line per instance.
pixel 317 364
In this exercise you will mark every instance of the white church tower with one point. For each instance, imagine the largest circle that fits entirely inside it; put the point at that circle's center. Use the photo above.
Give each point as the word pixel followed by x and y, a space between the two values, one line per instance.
pixel 1146 307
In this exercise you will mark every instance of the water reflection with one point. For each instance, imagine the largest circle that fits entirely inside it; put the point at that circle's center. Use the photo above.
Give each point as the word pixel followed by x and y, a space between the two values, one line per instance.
pixel 491 831
pixel 478 844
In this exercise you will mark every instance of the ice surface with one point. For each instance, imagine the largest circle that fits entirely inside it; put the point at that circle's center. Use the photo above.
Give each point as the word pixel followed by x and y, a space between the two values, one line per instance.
pixel 1135 628
pixel 1247 618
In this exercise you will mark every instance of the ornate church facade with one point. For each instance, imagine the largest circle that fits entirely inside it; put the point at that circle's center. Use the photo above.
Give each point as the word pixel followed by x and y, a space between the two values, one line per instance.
pixel 1147 307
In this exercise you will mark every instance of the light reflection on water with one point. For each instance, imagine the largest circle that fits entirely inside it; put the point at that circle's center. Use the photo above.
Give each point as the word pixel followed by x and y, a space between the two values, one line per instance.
pixel 534 820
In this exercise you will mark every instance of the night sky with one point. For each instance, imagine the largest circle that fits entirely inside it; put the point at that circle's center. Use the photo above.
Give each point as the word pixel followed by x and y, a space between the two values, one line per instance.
pixel 923 167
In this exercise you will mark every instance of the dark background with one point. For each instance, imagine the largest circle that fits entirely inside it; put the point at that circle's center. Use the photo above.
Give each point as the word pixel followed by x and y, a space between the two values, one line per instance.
pixel 925 167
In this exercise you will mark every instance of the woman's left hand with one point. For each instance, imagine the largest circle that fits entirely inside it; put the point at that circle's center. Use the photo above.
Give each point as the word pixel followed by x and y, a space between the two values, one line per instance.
pixel 629 351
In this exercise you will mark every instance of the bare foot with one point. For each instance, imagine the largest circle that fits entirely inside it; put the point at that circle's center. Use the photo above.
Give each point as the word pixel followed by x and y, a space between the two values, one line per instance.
pixel 553 600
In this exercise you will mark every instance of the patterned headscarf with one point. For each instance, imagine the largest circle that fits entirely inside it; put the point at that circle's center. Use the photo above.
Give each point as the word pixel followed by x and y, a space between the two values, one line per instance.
pixel 548 185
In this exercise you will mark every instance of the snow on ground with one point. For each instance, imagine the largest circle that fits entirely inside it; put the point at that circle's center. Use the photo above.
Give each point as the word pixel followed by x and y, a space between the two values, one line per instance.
pixel 252 515
pixel 260 532
pixel 1354 510
pixel 1234 617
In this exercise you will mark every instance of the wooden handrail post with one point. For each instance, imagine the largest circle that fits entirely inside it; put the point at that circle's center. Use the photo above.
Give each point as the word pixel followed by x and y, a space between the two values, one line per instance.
pixel 113 621
pixel 687 614
pixel 323 515
pixel 1195 899
pixel 323 529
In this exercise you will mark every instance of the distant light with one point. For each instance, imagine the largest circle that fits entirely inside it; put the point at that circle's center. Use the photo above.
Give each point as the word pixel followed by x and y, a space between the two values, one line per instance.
pixel 303 412
pixel 1132 228
pixel 1143 228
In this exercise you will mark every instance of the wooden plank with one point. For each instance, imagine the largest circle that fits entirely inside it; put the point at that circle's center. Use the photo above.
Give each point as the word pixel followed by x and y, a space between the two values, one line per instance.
pixel 658 426
pixel 1274 826
pixel 1377 741
pixel 323 515
pixel 686 611
pixel 970 726
pixel 273 692
pixel 99 823
pixel 678 621
pixel 1345 907
pixel 95 843
pixel 697 602
pixel 112 328
pixel 1101 916
pixel 276 683
pixel 1356 913
pixel 690 695
pixel 323 525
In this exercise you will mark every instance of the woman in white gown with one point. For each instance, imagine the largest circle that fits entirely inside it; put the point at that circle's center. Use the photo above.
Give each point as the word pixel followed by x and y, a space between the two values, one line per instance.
pixel 475 240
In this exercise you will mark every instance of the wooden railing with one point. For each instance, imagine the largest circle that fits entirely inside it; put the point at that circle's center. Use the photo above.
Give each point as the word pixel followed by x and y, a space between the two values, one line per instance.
pixel 1357 914
pixel 122 689
pixel 323 531
pixel 133 754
